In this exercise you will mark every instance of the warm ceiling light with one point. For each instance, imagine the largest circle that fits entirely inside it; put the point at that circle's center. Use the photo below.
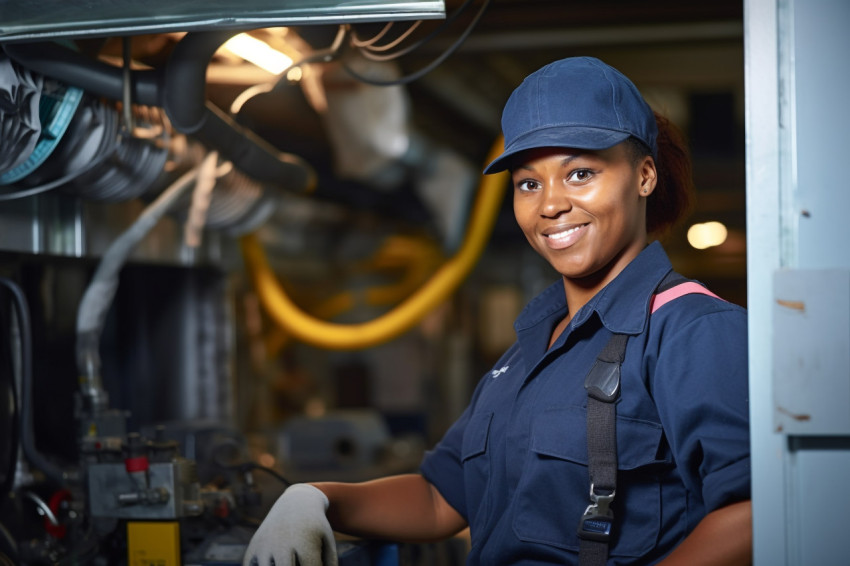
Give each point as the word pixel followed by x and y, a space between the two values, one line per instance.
pixel 259 53
pixel 295 74
pixel 706 235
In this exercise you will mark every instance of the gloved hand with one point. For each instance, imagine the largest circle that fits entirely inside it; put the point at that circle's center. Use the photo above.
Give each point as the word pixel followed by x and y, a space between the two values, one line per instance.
pixel 296 532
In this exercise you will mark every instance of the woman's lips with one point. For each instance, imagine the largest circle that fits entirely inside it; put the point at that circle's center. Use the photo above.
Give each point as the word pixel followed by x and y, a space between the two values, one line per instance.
pixel 560 238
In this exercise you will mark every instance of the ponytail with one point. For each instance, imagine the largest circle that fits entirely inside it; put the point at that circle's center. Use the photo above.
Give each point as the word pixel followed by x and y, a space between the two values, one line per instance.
pixel 673 197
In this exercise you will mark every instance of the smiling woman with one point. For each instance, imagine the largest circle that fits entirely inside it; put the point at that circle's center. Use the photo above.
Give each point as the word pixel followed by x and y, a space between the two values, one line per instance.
pixel 662 448
pixel 584 211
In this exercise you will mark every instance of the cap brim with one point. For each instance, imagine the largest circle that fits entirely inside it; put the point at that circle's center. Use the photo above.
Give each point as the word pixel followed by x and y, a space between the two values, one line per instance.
pixel 563 136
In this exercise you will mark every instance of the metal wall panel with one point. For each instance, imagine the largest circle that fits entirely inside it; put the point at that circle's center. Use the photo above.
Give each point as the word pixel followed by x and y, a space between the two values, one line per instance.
pixel 818 470
pixel 796 197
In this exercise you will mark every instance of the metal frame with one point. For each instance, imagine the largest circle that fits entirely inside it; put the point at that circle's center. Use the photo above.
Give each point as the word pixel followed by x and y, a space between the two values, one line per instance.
pixel 51 19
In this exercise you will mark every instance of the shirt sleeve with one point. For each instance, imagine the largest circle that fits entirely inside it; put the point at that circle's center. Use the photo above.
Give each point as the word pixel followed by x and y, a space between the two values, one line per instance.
pixel 700 386
pixel 443 465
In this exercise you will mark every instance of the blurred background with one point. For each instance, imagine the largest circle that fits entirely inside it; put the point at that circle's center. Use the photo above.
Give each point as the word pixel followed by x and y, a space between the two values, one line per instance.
pixel 345 180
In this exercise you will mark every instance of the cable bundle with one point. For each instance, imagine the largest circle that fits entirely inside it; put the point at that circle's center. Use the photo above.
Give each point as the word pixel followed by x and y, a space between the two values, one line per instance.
pixel 84 149
pixel 128 161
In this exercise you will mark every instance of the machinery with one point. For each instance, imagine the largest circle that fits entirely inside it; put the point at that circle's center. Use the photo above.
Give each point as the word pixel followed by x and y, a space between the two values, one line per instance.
pixel 178 493
pixel 107 103
pixel 146 212
pixel 145 187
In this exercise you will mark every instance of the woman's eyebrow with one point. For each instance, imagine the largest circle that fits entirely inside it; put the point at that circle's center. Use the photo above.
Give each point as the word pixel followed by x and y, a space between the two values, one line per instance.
pixel 570 158
pixel 564 162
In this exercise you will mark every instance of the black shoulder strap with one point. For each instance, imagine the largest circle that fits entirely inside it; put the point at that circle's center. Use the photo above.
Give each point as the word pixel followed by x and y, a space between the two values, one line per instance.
pixel 670 280
pixel 603 388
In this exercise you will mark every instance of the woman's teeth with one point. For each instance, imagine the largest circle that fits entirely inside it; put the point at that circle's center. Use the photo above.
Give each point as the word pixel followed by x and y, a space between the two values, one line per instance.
pixel 564 234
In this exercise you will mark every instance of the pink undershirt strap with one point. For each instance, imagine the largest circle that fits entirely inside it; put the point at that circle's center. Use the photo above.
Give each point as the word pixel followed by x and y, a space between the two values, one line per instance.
pixel 686 288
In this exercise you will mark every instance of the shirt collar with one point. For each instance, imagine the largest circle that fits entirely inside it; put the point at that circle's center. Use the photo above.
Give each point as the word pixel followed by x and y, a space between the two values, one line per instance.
pixel 622 305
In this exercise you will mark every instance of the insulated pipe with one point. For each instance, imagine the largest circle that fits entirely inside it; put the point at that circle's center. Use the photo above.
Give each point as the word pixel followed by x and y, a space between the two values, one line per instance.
pixel 184 101
pixel 442 284
pixel 92 75
pixel 253 155
pixel 185 77
pixel 180 89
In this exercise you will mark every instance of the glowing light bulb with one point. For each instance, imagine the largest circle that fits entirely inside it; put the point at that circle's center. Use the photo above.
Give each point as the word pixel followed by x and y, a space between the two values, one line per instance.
pixel 707 234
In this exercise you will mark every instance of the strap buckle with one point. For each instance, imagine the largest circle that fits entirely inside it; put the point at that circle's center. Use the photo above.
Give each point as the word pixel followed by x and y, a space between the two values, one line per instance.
pixel 603 381
pixel 597 520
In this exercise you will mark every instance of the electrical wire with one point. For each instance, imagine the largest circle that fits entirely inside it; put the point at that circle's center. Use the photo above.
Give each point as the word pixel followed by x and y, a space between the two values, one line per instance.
pixel 14 428
pixel 396 41
pixel 245 466
pixel 357 42
pixel 53 472
pixel 425 70
pixel 271 471
pixel 422 41
pixel 250 466
pixel 43 508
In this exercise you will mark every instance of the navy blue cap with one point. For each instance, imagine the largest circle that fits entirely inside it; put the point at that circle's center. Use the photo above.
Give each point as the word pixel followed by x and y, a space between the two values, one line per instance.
pixel 579 103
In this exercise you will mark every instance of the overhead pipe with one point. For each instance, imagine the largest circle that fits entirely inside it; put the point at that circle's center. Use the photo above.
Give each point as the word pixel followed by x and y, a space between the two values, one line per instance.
pixel 180 89
pixel 184 101
pixel 92 75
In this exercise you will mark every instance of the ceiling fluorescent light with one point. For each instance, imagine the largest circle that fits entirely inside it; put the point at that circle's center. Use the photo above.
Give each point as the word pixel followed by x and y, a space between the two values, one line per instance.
pixel 259 53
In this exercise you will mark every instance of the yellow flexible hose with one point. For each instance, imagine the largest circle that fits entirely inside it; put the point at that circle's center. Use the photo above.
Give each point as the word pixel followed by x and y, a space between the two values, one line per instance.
pixel 439 287
pixel 416 256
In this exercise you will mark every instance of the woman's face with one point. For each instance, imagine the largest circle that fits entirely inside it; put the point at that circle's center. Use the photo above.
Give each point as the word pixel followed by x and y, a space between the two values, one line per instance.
pixel 584 211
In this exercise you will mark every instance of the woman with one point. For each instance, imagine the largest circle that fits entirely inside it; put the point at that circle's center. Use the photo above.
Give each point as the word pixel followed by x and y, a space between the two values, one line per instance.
pixel 594 171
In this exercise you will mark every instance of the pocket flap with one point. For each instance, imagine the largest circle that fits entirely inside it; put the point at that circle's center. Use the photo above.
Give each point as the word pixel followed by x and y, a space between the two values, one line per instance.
pixel 475 435
pixel 562 433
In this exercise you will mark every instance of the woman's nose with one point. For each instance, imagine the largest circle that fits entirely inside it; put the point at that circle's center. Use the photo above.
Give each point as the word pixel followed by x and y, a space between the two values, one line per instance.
pixel 554 202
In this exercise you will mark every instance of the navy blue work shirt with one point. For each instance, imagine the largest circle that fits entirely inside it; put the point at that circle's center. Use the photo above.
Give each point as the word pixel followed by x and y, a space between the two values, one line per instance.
pixel 515 463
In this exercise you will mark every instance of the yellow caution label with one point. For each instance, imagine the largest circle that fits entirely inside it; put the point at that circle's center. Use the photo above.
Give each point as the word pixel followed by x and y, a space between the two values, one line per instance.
pixel 153 543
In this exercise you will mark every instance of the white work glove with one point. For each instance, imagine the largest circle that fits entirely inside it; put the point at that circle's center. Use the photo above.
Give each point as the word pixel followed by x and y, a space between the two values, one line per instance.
pixel 296 532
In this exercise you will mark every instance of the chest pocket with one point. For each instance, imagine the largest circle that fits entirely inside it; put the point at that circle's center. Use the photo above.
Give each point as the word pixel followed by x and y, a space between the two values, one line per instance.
pixel 476 464
pixel 553 491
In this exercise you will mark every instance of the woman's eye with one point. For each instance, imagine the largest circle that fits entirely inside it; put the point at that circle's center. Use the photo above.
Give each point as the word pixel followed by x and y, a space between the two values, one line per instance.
pixel 580 175
pixel 528 185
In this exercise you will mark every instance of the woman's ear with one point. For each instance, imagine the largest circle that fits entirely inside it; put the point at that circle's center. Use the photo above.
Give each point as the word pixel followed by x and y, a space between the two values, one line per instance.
pixel 648 176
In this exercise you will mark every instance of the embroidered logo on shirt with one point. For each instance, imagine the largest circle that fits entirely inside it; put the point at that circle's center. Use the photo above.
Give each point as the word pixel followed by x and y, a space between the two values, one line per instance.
pixel 497 372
